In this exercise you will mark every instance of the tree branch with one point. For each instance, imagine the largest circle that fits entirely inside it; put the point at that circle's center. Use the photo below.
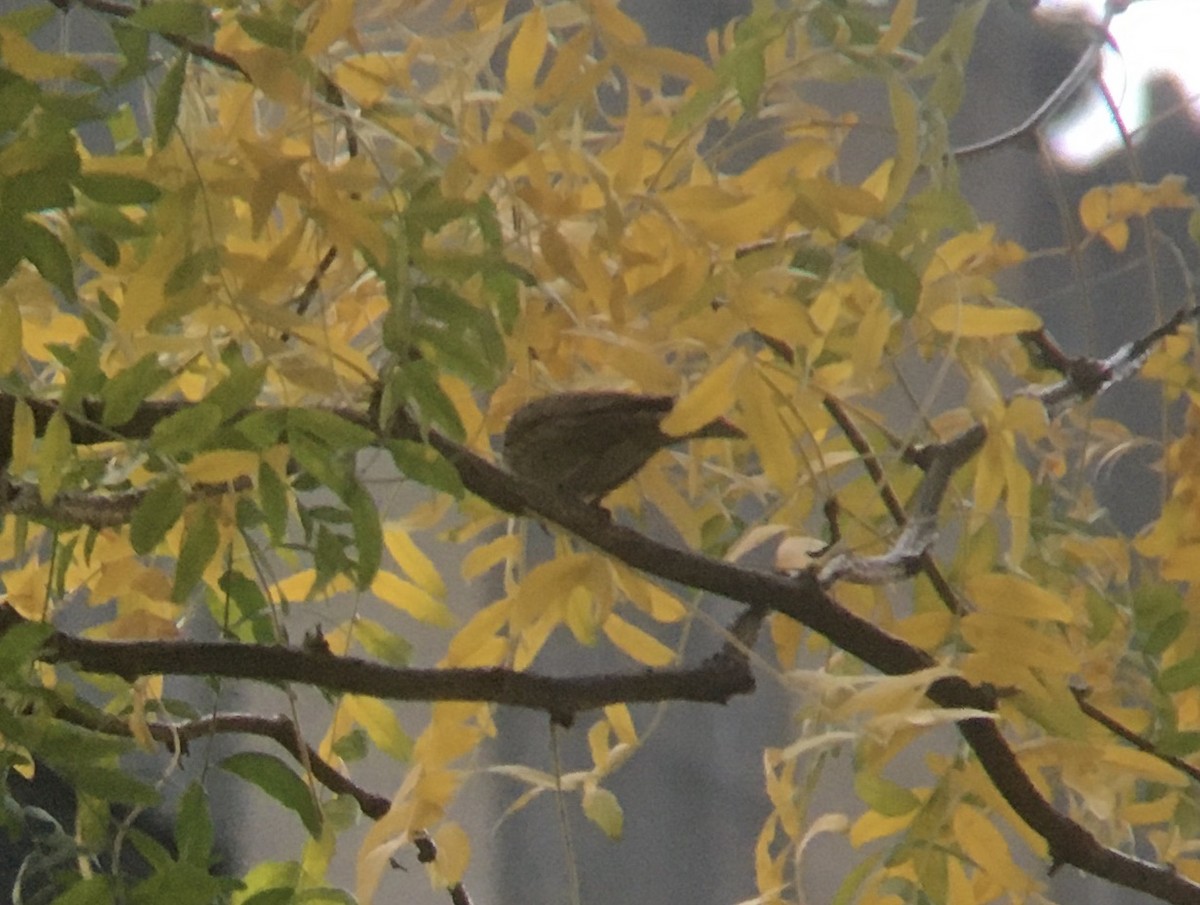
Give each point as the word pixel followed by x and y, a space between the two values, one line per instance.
pixel 715 680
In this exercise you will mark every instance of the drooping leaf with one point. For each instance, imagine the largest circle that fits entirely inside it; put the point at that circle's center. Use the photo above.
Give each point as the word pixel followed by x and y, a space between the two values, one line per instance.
pixel 200 541
pixel 123 393
pixel 155 515
pixel 166 101
pixel 186 430
pixel 174 17
pixel 279 781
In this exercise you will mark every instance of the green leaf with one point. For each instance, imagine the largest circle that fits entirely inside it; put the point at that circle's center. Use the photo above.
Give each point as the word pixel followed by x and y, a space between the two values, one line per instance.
pixel 158 511
pixel 20 646
pixel 186 430
pixel 466 338
pixel 166 101
pixel 109 783
pixel 189 271
pixel 54 454
pixel 239 390
pixel 1178 744
pixel 135 48
pixel 320 461
pixel 382 643
pixel 263 428
pixel 126 391
pixel 272 32
pixel 200 541
pixel 415 387
pixel 1165 633
pixel 246 594
pixel 27 20
pixel 113 188
pixel 179 883
pixel 279 781
pixel 352 746
pixel 884 796
pixel 194 827
pixel 749 75
pixel 94 890
pixel 174 17
pixel 368 535
pixel 1181 676
pixel 45 251
pixel 426 466
pixel 329 429
pixel 329 557
pixel 893 275
pixel 273 497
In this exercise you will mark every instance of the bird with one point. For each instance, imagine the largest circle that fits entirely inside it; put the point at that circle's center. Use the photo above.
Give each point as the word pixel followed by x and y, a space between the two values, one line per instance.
pixel 588 443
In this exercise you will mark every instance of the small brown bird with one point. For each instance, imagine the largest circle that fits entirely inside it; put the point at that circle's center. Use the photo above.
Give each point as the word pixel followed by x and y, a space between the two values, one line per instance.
pixel 589 443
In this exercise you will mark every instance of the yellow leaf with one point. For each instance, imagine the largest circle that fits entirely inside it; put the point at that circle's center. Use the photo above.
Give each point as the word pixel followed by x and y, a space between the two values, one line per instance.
pixel 621 720
pixel 615 24
pixel 1093 209
pixel 334 19
pixel 603 809
pixel 636 643
pixel 1146 765
pixel 380 723
pixel 1116 235
pixel 1018 598
pixel 415 601
pixel 898 27
pixel 10 335
pixel 765 427
pixel 22 434
pixel 984 845
pixel 549 584
pixel 481 559
pixel 368 77
pixel 581 615
pixel 526 53
pixel 1017 501
pixel 597 738
pixel 1160 810
pixel 873 825
pixel 1018 644
pixel 989 480
pixel 977 320
pixel 412 560
pixel 711 398
pixel 22 57
pixel 453 854
pixel 905 117
pixel 221 465
pixel 478 642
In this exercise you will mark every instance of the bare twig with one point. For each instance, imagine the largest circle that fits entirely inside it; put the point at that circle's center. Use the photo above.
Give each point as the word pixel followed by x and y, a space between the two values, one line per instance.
pixel 894 507
pixel 1130 736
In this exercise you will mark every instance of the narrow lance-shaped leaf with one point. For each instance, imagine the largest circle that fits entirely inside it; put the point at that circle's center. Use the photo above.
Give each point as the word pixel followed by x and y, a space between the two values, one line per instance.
pixel 159 509
pixel 166 102
pixel 200 541
pixel 279 781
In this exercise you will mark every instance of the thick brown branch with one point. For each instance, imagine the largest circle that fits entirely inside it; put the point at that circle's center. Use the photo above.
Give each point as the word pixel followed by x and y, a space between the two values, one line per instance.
pixel 715 680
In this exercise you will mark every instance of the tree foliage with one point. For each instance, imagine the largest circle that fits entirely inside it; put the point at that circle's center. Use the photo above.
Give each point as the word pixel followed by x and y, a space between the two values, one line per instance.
pixel 341 240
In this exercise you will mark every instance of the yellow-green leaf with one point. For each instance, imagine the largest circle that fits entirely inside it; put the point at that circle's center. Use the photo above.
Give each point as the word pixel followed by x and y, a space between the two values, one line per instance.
pixel 977 320
pixel 603 809
pixel 636 643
